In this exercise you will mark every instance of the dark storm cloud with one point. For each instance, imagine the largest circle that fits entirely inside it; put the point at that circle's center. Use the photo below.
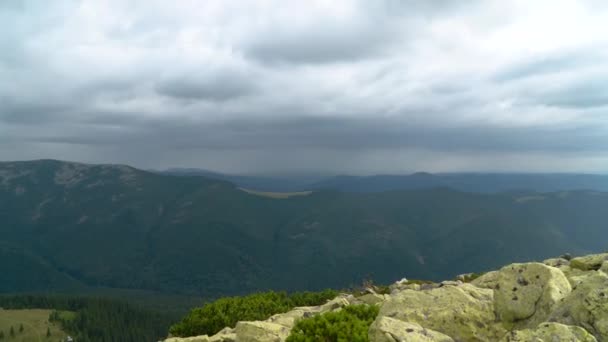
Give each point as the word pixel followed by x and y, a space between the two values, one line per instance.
pixel 585 95
pixel 214 87
pixel 349 86
pixel 322 46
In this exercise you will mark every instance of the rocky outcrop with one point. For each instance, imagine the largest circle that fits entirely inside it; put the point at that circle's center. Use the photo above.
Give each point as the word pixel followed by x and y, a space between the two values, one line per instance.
pixel 556 300
pixel 590 262
pixel 387 329
pixel 587 305
pixel 525 294
pixel 550 332
pixel 463 312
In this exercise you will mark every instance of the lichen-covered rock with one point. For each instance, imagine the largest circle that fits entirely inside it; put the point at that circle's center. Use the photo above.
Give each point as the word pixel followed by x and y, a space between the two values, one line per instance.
pixel 290 318
pixel 450 283
pixel 387 329
pixel 556 262
pixel 604 267
pixel 550 332
pixel 587 305
pixel 370 299
pixel 225 335
pixel 203 338
pixel 465 312
pixel 486 281
pixel 260 332
pixel 527 293
pixel 336 303
pixel 591 262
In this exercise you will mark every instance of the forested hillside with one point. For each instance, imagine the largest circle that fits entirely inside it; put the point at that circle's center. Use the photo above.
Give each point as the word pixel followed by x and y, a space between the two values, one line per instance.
pixel 67 226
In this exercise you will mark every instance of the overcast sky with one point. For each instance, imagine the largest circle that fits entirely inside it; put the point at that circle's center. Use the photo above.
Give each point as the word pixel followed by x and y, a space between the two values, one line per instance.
pixel 354 87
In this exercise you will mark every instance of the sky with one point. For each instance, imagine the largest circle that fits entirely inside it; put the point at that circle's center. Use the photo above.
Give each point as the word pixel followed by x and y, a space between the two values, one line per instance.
pixel 281 86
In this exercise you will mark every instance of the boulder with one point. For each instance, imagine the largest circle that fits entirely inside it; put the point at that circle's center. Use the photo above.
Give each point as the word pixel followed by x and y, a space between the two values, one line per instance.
pixel 586 306
pixel 260 332
pixel 591 262
pixel 604 267
pixel 557 262
pixel 486 281
pixel 387 329
pixel 203 338
pixel 464 312
pixel 550 332
pixel 336 303
pixel 371 299
pixel 527 293
pixel 290 318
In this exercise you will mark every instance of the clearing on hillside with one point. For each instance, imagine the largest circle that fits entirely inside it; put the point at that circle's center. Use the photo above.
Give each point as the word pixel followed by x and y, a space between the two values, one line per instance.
pixel 277 195
pixel 35 324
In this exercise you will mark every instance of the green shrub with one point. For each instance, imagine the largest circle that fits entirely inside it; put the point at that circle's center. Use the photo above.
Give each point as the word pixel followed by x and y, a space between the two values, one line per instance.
pixel 227 311
pixel 347 325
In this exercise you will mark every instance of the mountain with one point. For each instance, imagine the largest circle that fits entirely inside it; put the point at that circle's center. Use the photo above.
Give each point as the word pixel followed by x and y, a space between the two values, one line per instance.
pixel 469 182
pixel 67 226
pixel 268 183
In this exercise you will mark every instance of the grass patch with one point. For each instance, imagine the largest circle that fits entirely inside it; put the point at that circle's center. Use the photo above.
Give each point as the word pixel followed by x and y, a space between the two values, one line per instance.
pixel 35 323
pixel 276 195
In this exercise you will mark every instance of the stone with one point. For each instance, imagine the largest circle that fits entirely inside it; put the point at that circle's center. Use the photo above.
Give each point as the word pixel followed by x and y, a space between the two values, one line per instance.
pixel 556 262
pixel 225 335
pixel 450 283
pixel 465 312
pixel 487 281
pixel 527 293
pixel 290 318
pixel 336 303
pixel 550 332
pixel 203 338
pixel 587 305
pixel 371 299
pixel 387 329
pixel 591 262
pixel 260 332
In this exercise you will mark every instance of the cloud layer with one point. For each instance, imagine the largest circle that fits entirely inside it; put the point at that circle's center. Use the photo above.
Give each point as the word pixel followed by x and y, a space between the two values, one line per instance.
pixel 326 86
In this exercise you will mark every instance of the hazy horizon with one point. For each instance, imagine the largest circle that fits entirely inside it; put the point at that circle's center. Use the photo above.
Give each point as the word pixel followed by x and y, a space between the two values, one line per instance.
pixel 334 87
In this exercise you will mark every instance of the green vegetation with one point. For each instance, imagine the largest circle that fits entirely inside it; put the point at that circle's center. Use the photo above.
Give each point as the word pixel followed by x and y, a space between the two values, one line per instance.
pixel 347 325
pixel 226 312
pixel 28 325
pixel 205 238
pixel 84 318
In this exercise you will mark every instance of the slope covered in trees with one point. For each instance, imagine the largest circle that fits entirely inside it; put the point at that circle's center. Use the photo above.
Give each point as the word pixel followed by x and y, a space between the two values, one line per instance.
pixel 71 227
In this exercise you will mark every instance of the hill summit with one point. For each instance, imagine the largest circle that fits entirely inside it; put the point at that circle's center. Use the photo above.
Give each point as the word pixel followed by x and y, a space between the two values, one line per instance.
pixel 560 299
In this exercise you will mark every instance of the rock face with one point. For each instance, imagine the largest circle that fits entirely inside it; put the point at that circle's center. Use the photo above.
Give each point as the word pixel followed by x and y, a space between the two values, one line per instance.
pixel 387 329
pixel 526 293
pixel 550 332
pixel 587 305
pixel 557 300
pixel 463 312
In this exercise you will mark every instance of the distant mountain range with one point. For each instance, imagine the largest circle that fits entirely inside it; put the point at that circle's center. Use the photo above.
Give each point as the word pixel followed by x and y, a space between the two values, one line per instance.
pixel 468 182
pixel 68 226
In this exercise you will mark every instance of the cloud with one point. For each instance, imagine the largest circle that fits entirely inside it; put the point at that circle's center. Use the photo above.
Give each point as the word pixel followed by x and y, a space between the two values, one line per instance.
pixel 216 86
pixel 342 86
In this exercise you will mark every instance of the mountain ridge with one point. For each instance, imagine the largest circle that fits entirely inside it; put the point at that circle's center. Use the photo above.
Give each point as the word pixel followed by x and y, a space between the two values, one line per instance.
pixel 120 227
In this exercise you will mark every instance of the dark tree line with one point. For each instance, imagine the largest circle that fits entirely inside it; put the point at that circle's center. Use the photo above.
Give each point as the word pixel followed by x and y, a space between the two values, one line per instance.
pixel 96 319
